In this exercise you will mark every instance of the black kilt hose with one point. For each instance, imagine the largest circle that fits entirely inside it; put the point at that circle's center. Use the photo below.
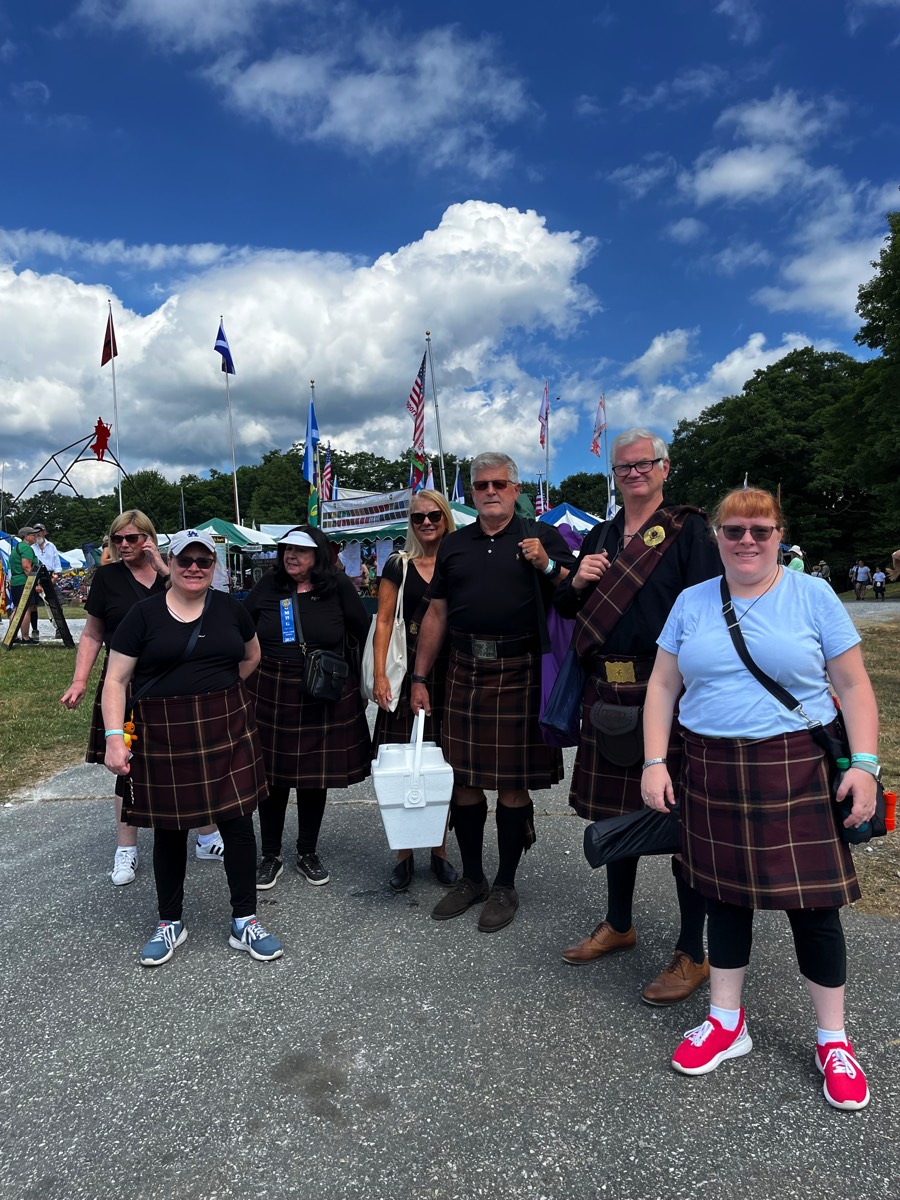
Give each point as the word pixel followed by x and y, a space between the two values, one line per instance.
pixel 758 827
pixel 309 743
pixel 197 761
pixel 491 735
pixel 600 788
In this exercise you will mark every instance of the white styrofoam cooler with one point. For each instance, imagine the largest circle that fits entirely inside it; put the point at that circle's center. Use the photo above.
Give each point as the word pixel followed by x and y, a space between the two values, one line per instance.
pixel 413 784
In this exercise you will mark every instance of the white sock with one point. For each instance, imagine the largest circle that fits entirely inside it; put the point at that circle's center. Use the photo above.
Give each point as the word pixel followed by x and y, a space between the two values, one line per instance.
pixel 131 849
pixel 728 1018
pixel 241 922
pixel 824 1036
pixel 205 838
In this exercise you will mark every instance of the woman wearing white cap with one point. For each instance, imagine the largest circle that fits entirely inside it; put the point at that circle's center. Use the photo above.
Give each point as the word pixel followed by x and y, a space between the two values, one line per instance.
pixel 309 744
pixel 187 742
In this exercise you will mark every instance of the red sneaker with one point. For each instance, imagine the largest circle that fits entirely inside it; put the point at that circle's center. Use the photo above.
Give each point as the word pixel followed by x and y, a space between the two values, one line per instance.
pixel 845 1081
pixel 709 1044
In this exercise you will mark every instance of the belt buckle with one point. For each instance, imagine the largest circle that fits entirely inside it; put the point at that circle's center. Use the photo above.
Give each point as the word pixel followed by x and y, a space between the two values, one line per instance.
pixel 484 649
pixel 620 672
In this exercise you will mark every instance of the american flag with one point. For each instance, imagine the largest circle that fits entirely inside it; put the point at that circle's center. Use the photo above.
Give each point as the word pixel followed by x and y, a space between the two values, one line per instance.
pixel 415 406
pixel 326 477
pixel 599 426
pixel 544 413
pixel 539 506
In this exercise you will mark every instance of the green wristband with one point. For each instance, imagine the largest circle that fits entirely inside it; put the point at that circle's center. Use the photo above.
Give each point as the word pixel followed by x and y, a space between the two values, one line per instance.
pixel 114 733
pixel 872 758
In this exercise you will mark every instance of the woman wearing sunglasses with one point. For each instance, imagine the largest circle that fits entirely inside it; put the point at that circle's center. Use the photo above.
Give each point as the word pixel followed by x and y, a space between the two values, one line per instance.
pixel 759 828
pixel 186 740
pixel 135 572
pixel 430 520
pixel 309 744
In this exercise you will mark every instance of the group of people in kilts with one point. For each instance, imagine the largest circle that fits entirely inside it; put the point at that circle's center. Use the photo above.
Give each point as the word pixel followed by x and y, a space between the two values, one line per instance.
pixel 224 727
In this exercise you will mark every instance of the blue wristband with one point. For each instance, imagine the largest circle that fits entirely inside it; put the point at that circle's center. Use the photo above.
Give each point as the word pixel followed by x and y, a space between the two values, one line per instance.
pixel 872 758
pixel 114 733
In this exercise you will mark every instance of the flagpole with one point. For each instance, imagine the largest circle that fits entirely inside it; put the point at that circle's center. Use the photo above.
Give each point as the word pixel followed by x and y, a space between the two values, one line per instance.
pixel 237 506
pixel 547 449
pixel 437 417
pixel 116 416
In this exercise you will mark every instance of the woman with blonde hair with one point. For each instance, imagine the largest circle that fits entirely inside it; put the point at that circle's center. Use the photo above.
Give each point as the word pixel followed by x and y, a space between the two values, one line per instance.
pixel 430 520
pixel 759 824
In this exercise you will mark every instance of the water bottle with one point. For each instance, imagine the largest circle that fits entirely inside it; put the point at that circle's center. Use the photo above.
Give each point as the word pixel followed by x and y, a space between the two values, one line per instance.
pixel 852 835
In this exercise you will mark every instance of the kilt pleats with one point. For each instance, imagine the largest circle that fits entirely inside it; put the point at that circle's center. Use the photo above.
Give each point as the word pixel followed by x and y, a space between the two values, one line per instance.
pixel 491 735
pixel 305 742
pixel 197 761
pixel 758 827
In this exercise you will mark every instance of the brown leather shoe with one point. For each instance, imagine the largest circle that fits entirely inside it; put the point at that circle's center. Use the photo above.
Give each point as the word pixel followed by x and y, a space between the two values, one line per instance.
pixel 679 980
pixel 602 941
pixel 460 898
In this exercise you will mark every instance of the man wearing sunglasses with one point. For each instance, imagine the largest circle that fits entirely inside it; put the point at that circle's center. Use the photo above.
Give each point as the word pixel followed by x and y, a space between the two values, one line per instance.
pixel 630 572
pixel 492 582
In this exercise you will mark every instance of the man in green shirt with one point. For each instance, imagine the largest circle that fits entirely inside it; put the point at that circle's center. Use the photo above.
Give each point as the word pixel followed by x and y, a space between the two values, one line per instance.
pixel 23 562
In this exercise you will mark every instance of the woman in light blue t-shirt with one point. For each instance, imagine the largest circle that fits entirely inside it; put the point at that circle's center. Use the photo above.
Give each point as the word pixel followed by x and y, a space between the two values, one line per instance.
pixel 759 828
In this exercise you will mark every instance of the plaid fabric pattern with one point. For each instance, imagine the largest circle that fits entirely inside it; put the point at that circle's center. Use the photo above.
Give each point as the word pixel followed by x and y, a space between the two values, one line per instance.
pixel 308 743
pixel 758 828
pixel 599 788
pixel 491 735
pixel 627 575
pixel 197 761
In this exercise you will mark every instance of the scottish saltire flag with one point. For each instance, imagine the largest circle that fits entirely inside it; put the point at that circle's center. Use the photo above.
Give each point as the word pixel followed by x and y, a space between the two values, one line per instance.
pixel 458 495
pixel 599 426
pixel 326 477
pixel 110 349
pixel 312 440
pixel 223 348
pixel 544 414
pixel 415 406
pixel 334 488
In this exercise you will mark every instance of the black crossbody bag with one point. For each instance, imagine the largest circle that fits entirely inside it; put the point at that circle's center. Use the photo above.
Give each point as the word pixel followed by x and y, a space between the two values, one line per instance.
pixel 324 672
pixel 834 747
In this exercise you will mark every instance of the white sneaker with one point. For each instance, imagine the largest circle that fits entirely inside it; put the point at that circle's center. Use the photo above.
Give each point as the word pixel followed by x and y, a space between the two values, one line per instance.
pixel 124 865
pixel 213 851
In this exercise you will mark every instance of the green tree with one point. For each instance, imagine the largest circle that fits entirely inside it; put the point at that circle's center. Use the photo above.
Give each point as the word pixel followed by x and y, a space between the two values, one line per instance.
pixel 879 299
pixel 585 489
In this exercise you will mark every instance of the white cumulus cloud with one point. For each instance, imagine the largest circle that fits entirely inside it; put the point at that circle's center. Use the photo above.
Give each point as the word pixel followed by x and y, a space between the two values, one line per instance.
pixel 666 351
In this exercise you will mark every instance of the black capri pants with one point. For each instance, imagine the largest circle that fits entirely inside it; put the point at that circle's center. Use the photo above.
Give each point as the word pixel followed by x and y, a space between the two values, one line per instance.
pixel 818 940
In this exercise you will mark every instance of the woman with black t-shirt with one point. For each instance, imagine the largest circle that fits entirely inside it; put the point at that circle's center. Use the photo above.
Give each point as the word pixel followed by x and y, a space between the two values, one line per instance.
pixel 308 744
pixel 430 519
pixel 187 743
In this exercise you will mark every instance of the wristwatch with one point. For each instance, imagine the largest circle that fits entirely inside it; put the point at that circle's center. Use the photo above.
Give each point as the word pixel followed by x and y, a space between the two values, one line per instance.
pixel 418 678
pixel 868 767
pixel 553 569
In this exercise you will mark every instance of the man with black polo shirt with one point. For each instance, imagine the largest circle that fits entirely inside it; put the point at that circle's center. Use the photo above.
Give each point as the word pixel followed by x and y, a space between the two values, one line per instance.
pixel 492 582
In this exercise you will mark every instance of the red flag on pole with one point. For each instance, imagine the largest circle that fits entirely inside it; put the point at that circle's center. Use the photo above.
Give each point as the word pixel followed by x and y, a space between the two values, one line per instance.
pixel 109 343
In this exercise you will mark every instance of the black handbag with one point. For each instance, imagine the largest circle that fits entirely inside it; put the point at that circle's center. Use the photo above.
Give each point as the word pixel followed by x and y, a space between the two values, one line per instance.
pixel 324 672
pixel 835 747
pixel 620 732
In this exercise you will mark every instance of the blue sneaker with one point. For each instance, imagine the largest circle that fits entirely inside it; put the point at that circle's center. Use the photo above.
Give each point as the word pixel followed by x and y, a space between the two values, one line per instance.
pixel 169 935
pixel 253 938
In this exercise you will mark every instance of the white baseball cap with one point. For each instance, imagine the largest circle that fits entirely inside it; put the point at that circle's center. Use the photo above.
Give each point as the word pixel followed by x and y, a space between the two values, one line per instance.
pixel 187 537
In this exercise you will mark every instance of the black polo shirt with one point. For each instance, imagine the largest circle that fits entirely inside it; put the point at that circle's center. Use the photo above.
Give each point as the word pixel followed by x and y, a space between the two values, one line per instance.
pixel 488 585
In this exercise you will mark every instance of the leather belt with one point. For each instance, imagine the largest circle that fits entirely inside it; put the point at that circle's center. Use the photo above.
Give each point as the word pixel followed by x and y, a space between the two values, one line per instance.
pixel 490 648
pixel 624 670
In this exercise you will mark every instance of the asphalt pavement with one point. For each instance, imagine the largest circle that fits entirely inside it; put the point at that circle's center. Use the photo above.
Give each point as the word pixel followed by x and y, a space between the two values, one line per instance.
pixel 388 1056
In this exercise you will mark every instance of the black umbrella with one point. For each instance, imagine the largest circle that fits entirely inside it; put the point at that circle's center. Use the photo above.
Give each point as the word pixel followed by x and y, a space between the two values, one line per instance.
pixel 631 835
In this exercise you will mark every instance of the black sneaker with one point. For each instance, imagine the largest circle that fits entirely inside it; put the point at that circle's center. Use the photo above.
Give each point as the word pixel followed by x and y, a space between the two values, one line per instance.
pixel 310 867
pixel 267 872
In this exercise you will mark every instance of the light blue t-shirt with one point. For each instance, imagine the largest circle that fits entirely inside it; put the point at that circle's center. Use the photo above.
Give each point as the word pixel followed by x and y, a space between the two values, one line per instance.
pixel 790 633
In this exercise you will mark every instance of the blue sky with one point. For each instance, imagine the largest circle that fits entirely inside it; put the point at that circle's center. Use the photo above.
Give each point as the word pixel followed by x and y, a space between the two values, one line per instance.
pixel 649 201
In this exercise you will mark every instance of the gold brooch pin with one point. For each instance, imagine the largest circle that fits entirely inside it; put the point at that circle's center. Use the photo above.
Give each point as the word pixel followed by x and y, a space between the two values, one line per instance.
pixel 654 535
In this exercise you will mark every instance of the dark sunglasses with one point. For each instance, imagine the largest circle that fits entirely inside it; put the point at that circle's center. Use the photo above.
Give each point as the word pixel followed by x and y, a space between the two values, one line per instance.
pixel 419 518
pixel 482 485
pixel 131 538
pixel 759 533
pixel 203 561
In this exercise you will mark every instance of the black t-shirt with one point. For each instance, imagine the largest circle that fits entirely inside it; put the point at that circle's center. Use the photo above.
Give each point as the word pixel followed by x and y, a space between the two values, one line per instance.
pixel 323 618
pixel 156 639
pixel 693 558
pixel 414 589
pixel 114 592
pixel 488 585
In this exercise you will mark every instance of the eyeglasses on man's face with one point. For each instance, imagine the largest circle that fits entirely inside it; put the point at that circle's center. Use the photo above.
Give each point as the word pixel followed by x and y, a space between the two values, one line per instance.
pixel 433 516
pixel 759 533
pixel 644 467
pixel 499 485
pixel 131 538
pixel 203 561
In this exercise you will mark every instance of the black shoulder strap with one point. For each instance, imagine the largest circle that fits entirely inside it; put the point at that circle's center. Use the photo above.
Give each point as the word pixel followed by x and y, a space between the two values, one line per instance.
pixel 185 655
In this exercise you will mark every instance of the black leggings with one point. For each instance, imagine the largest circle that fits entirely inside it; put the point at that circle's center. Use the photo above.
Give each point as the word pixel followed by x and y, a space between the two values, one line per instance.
pixel 170 863
pixel 818 940
pixel 273 810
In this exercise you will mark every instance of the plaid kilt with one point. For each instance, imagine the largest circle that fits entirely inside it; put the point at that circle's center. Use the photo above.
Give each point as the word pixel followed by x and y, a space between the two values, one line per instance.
pixel 600 788
pixel 758 826
pixel 490 734
pixel 309 743
pixel 395 728
pixel 197 761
